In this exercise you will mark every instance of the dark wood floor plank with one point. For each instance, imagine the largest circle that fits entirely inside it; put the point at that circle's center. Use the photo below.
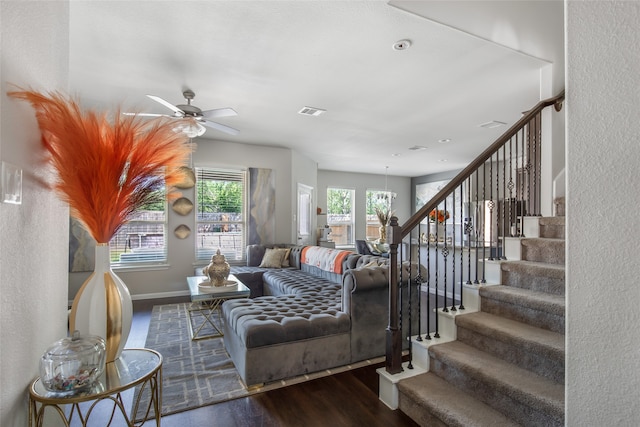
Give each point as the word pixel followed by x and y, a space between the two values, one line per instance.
pixel 347 399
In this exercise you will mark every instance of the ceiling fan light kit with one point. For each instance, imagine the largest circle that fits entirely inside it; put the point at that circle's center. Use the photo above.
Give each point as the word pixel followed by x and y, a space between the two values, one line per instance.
pixel 191 128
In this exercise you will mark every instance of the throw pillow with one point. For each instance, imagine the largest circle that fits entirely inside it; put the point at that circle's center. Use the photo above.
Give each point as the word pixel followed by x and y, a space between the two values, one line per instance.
pixel 272 258
pixel 285 260
pixel 372 249
pixel 373 263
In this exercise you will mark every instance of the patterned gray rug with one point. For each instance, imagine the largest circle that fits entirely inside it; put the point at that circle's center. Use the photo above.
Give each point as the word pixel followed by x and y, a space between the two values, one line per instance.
pixel 200 373
pixel 195 373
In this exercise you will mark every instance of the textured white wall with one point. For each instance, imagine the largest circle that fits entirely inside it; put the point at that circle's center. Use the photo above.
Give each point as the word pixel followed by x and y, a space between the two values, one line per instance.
pixel 603 155
pixel 33 235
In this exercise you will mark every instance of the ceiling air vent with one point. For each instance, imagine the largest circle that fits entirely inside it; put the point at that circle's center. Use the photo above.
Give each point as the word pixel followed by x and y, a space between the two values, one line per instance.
pixel 311 111
pixel 492 124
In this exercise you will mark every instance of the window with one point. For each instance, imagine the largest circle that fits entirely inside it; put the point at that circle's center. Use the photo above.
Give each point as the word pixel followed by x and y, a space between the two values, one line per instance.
pixel 142 240
pixel 376 199
pixel 220 214
pixel 340 216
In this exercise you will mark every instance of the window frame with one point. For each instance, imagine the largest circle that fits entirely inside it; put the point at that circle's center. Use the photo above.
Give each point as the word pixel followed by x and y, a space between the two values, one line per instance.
pixel 350 239
pixel 150 257
pixel 238 254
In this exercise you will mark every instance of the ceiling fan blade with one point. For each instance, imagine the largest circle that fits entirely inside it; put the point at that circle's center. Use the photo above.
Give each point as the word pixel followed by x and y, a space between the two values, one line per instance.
pixel 147 115
pixel 167 104
pixel 220 127
pixel 219 112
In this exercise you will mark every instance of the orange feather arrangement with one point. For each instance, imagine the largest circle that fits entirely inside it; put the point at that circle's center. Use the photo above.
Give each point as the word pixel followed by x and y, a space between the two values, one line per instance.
pixel 106 171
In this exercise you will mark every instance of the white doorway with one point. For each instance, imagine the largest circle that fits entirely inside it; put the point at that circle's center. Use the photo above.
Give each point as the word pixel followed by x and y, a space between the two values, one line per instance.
pixel 304 225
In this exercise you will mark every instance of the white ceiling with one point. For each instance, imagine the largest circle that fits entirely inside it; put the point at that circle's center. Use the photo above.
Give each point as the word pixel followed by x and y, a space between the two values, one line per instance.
pixel 268 59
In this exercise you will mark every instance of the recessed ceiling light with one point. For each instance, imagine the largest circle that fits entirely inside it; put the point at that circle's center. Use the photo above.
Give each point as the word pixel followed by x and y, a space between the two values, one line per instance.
pixel 417 148
pixel 396 155
pixel 444 140
pixel 492 124
pixel 402 44
pixel 443 160
pixel 311 111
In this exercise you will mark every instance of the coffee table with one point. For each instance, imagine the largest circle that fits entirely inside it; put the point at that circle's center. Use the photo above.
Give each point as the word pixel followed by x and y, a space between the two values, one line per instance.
pixel 206 302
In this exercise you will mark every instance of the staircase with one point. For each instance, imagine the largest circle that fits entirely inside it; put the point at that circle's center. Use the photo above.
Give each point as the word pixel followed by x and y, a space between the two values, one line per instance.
pixel 506 364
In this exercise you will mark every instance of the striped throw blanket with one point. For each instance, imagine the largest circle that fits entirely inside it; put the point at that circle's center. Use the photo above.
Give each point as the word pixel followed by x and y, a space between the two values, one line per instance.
pixel 327 259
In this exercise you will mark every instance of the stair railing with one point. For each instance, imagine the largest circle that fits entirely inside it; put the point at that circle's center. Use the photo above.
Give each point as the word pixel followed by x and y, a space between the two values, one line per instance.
pixel 486 202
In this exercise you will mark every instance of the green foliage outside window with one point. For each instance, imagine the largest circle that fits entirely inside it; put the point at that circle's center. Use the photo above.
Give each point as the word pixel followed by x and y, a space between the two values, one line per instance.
pixel 339 201
pixel 378 199
pixel 220 196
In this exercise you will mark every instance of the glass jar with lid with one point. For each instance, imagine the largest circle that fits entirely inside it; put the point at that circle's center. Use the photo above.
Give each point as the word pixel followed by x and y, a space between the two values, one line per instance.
pixel 73 364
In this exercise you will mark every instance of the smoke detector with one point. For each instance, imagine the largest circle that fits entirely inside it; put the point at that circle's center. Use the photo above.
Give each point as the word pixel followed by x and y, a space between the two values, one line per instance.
pixel 402 44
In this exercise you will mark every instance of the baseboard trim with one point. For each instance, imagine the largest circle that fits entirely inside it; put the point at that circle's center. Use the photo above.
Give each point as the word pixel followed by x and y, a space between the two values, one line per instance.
pixel 154 295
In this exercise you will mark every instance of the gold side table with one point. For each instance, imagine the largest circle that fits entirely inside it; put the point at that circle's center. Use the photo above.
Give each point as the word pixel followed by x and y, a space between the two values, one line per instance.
pixel 134 367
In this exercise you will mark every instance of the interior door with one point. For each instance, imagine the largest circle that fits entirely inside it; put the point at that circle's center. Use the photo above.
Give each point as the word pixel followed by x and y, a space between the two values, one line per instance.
pixel 304 224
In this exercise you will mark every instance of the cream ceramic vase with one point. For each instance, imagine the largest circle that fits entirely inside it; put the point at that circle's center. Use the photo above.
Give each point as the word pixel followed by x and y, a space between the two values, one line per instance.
pixel 103 306
pixel 218 270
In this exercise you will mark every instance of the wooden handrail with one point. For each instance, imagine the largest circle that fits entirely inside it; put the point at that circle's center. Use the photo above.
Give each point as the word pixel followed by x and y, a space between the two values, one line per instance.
pixel 422 213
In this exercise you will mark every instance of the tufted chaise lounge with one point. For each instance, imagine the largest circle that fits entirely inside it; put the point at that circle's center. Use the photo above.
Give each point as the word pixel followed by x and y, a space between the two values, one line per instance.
pixel 308 320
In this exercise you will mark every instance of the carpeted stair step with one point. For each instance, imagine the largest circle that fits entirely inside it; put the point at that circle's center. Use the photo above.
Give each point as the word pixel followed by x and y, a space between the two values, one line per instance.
pixel 521 395
pixel 538 350
pixel 538 309
pixel 552 227
pixel 431 401
pixel 535 276
pixel 543 250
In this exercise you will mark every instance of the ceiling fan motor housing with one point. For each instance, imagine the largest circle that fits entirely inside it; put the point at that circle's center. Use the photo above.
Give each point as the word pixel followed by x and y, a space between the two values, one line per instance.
pixel 190 110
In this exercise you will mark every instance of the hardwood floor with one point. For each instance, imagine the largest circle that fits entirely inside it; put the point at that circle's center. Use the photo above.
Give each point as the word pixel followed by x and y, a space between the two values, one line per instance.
pixel 345 399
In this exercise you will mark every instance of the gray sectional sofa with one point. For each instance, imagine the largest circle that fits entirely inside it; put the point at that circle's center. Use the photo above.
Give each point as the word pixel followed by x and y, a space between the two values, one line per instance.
pixel 309 316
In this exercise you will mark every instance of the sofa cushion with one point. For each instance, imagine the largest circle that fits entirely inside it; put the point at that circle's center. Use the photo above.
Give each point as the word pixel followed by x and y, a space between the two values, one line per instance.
pixel 297 282
pixel 273 320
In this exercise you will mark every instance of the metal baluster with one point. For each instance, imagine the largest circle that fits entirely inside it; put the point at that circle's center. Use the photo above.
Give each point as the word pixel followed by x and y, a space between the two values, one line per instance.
pixel 504 196
pixel 419 283
pixel 498 254
pixel 461 306
pixel 436 262
pixel 524 201
pixel 539 161
pixel 534 195
pixel 510 186
pixel 477 225
pixel 528 170
pixel 453 254
pixel 428 335
pixel 445 253
pixel 468 229
pixel 490 204
pixel 484 242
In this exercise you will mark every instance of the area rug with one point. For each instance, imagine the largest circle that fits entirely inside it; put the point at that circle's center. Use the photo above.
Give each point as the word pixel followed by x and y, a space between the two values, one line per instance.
pixel 200 373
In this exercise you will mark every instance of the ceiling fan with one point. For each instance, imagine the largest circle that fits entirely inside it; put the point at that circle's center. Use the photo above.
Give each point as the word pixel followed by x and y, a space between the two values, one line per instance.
pixel 198 117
